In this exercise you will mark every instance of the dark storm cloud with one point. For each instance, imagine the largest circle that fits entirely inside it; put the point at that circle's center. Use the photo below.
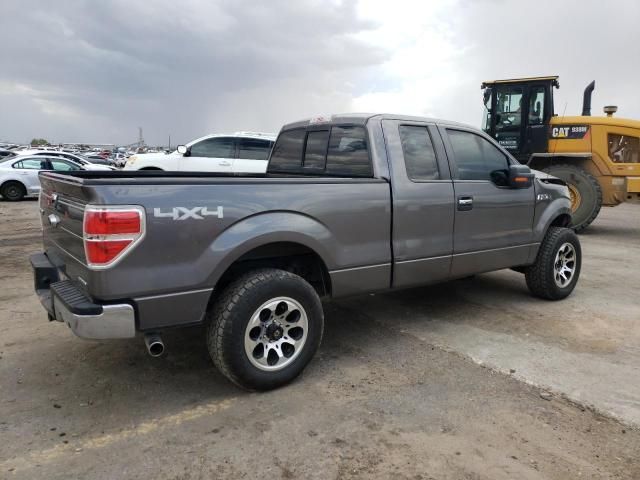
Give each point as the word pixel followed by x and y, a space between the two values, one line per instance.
pixel 94 71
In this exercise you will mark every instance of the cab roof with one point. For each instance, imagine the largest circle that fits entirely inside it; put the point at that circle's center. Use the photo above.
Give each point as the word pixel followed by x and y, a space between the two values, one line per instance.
pixel 552 78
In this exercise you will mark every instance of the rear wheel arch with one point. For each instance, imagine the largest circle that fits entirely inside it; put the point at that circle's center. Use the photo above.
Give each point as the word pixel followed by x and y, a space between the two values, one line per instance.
pixel 290 256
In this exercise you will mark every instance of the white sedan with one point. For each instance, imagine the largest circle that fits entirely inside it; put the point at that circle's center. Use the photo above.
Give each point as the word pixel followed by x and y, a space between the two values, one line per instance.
pixel 87 163
pixel 19 175
pixel 241 152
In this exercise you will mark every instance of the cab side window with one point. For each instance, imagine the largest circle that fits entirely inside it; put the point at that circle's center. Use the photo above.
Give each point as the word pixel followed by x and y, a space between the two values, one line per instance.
pixel 475 157
pixel 219 147
pixel 419 156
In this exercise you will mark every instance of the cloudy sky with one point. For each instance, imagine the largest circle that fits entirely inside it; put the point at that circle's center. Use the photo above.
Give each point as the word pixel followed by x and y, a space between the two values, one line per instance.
pixel 93 71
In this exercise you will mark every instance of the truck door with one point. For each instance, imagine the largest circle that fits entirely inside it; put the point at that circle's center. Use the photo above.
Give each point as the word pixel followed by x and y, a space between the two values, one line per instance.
pixel 423 203
pixel 493 223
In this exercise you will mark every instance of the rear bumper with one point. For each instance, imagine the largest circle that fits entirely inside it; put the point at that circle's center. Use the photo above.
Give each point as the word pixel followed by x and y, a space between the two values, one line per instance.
pixel 67 303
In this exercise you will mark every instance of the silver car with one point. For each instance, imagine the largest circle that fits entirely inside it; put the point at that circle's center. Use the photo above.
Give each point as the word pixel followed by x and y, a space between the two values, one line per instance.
pixel 19 174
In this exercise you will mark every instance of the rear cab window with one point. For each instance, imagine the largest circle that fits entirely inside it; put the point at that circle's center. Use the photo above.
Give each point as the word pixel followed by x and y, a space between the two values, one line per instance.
pixel 331 150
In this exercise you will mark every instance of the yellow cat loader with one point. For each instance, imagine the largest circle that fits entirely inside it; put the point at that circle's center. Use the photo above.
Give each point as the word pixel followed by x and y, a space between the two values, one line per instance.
pixel 597 156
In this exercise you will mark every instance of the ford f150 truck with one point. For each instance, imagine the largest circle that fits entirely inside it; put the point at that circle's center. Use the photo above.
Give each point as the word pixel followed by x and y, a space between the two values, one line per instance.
pixel 350 204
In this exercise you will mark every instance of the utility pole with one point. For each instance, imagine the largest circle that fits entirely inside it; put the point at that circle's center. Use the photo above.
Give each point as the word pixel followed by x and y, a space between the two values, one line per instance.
pixel 169 142
pixel 140 138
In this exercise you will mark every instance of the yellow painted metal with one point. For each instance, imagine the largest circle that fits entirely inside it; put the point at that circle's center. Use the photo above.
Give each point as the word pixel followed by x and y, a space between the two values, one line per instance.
pixel 633 184
pixel 613 177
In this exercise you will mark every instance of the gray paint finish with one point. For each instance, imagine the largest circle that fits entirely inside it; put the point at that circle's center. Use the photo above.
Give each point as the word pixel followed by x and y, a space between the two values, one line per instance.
pixel 371 234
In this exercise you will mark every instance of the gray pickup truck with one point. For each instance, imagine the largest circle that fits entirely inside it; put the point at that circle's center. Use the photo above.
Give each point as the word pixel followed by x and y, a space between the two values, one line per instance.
pixel 350 204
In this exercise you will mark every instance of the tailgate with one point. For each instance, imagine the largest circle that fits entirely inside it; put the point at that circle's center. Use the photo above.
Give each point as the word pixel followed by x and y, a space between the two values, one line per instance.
pixel 62 203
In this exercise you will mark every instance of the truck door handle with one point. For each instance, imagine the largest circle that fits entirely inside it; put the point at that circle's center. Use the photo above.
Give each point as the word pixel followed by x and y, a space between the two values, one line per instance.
pixel 225 164
pixel 465 203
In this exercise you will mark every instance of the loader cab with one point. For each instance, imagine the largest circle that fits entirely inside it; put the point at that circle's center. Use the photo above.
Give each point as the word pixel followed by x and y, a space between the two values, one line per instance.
pixel 517 113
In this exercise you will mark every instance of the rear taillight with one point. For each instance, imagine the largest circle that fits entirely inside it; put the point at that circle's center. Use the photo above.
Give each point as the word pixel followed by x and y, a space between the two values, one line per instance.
pixel 109 233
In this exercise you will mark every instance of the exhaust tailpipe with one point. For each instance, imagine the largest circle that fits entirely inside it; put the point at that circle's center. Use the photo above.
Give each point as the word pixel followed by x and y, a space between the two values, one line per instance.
pixel 586 100
pixel 154 343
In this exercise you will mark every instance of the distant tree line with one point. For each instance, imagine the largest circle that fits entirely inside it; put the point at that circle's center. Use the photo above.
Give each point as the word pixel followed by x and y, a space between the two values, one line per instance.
pixel 38 142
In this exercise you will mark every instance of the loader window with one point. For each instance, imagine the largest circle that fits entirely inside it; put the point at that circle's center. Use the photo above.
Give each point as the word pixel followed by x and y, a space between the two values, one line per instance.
pixel 623 148
pixel 536 106
pixel 509 106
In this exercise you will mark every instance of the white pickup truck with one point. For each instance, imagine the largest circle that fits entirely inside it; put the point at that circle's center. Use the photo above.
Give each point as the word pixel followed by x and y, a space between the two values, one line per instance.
pixel 240 152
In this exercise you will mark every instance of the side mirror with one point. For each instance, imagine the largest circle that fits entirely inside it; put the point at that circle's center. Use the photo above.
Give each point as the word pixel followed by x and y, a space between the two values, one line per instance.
pixel 520 176
pixel 182 149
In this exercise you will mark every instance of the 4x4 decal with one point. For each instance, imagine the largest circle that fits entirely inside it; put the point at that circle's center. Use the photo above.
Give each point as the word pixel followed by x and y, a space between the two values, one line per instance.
pixel 184 213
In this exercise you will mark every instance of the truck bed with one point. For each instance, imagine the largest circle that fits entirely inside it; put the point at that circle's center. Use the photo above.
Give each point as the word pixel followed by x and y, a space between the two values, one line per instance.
pixel 184 254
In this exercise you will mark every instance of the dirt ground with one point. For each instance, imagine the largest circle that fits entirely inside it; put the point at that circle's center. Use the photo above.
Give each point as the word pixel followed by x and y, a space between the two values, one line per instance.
pixel 396 390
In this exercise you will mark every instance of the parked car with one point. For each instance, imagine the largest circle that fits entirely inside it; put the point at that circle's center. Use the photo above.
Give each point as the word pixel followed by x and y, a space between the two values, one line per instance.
pixel 119 159
pixel 241 152
pixel 100 160
pixel 88 163
pixel 351 204
pixel 19 174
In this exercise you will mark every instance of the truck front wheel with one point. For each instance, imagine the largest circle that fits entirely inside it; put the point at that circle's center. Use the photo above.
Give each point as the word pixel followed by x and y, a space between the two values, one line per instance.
pixel 555 272
pixel 264 328
pixel 585 192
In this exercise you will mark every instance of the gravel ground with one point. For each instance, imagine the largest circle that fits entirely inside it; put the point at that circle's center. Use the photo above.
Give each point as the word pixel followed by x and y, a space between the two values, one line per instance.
pixel 390 394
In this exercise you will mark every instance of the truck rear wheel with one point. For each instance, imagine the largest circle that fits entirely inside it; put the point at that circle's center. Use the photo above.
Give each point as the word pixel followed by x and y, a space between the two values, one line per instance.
pixel 13 191
pixel 555 272
pixel 585 192
pixel 264 328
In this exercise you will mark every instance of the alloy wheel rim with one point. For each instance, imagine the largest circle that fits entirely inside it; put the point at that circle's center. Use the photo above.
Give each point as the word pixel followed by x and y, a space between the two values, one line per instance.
pixel 276 334
pixel 564 266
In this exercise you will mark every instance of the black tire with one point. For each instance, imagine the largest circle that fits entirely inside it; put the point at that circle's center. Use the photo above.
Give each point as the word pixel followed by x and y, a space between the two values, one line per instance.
pixel 541 276
pixel 590 194
pixel 13 191
pixel 237 305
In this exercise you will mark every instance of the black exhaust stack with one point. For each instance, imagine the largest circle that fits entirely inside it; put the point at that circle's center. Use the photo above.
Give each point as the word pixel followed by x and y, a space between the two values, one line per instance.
pixel 586 101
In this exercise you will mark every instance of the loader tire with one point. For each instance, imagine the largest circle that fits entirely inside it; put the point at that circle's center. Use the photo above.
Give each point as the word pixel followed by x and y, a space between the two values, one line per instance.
pixel 585 191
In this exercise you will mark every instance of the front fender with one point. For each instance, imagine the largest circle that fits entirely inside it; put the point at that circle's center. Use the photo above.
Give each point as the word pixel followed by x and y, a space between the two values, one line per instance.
pixel 548 211
pixel 266 228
